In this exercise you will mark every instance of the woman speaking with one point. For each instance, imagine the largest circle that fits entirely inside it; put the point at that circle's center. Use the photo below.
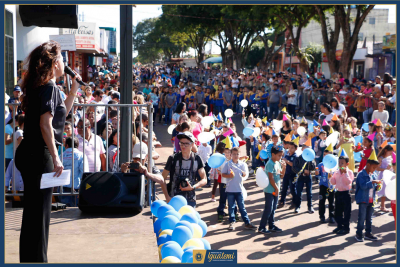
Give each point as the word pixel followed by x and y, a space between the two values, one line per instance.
pixel 45 113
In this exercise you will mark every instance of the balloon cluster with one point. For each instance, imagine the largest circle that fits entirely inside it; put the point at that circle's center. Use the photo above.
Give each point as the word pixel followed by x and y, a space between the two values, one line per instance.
pixel 179 230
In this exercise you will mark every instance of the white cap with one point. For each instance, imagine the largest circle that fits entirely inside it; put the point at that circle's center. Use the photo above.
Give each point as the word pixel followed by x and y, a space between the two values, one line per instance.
pixel 137 148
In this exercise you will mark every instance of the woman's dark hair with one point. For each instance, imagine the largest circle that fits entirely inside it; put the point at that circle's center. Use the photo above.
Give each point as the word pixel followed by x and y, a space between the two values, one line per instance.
pixel 21 119
pixel 266 136
pixel 182 126
pixel 334 99
pixel 104 126
pixel 220 148
pixel 384 150
pixel 288 123
pixel 327 129
pixel 386 78
pixel 39 65
pixel 336 125
pixel 340 74
pixel 111 138
pixel 68 142
pixel 179 107
pixel 192 113
pixel 327 106
pixel 67 123
pixel 294 85
pixel 202 110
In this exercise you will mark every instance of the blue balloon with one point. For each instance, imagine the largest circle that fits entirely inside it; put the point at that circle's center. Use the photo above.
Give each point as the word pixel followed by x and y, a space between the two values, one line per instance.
pixel 162 211
pixel 263 154
pixel 191 247
pixel 190 217
pixel 171 250
pixel 177 202
pixel 308 154
pixel 169 222
pixel 203 226
pixel 216 160
pixel 207 245
pixel 197 215
pixel 155 205
pixel 187 256
pixel 358 139
pixel 330 161
pixel 163 239
pixel 310 127
pixel 357 156
pixel 181 234
pixel 248 131
pixel 175 213
pixel 157 226
pixel 187 224
pixel 365 127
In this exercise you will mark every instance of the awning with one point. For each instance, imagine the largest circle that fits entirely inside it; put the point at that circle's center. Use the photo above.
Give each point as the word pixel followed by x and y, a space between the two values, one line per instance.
pixel 377 55
pixel 213 60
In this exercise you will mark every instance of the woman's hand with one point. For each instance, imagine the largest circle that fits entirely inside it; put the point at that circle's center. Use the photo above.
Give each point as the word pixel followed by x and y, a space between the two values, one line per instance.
pixel 58 166
pixel 75 84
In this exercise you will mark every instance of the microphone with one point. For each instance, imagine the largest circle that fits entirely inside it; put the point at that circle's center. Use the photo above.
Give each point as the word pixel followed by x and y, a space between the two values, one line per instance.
pixel 68 71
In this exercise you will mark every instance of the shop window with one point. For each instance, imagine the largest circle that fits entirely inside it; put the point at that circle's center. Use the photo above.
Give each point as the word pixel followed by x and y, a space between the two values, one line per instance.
pixel 360 36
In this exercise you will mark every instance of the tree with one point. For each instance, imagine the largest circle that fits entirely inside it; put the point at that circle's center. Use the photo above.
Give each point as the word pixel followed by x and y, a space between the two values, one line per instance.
pixel 350 38
pixel 295 18
pixel 344 18
pixel 143 41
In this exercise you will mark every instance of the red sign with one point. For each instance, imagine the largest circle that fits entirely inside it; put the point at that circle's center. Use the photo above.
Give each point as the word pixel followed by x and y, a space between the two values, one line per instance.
pixel 338 55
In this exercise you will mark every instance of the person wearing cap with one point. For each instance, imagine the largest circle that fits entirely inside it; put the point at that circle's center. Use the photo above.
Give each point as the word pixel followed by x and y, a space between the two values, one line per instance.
pixel 15 100
pixel 366 186
pixel 183 168
pixel 139 155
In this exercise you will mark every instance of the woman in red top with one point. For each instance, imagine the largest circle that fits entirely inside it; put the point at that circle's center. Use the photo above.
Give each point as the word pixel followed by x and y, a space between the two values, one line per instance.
pixel 367 150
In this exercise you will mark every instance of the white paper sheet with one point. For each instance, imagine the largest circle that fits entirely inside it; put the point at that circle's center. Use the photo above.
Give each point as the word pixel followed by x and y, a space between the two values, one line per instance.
pixel 48 180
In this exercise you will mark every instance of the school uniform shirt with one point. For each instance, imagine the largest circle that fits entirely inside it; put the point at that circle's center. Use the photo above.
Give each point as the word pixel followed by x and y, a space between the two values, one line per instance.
pixel 324 175
pixel 342 180
pixel 208 98
pixel 187 97
pixel 293 100
pixel 19 183
pixel 275 168
pixel 235 184
pixel 218 102
pixel 199 97
pixel 289 172
pixel 240 96
pixel 178 97
pixel 205 152
pixel 275 96
pixel 252 96
pixel 170 99
pixel 79 167
pixel 228 96
pixel 264 95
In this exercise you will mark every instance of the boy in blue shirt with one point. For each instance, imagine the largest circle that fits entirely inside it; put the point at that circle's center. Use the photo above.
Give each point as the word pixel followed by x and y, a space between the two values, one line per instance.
pixel 366 185
pixel 275 170
pixel 235 171
pixel 289 176
pixel 325 192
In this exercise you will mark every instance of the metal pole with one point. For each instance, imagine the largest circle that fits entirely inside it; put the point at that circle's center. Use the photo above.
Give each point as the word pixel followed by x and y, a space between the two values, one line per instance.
pixel 126 81
pixel 291 46
pixel 150 153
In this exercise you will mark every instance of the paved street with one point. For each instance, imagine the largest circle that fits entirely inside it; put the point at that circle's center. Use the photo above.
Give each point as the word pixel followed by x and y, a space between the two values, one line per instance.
pixel 303 238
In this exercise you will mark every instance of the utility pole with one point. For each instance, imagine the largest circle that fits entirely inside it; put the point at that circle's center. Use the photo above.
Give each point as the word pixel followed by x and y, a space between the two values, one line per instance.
pixel 126 81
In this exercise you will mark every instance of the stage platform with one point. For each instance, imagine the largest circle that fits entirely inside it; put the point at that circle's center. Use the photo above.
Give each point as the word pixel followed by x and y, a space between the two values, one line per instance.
pixel 77 237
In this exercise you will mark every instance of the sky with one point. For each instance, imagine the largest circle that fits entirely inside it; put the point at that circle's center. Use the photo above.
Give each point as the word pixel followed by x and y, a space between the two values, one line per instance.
pixel 108 16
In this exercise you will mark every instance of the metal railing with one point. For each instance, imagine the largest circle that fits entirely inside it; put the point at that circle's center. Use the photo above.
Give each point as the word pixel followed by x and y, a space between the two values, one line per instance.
pixel 151 186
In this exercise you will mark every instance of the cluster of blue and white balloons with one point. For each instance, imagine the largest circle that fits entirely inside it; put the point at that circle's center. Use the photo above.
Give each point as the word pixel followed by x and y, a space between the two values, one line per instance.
pixel 179 230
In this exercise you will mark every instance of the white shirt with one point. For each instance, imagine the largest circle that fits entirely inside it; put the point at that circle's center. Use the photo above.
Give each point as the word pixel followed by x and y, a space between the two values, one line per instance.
pixel 391 100
pixel 328 117
pixel 90 149
pixel 235 83
pixel 293 99
pixel 204 152
pixel 339 111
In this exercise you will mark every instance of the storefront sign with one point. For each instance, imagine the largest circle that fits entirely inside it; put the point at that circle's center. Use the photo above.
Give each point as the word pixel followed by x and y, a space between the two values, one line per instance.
pixel 66 41
pixel 87 36
pixel 338 55
pixel 389 42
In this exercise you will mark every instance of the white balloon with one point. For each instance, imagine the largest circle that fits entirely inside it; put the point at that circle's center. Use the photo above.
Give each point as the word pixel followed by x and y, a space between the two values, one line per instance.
pixel 261 178
pixel 207 121
pixel 332 138
pixel 171 128
pixel 244 103
pixel 205 137
pixel 228 113
pixel 277 124
pixel 256 132
pixel 244 193
pixel 388 176
pixel 301 131
pixel 390 190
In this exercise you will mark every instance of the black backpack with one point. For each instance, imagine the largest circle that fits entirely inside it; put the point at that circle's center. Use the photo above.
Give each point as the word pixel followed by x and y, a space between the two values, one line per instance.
pixel 178 157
